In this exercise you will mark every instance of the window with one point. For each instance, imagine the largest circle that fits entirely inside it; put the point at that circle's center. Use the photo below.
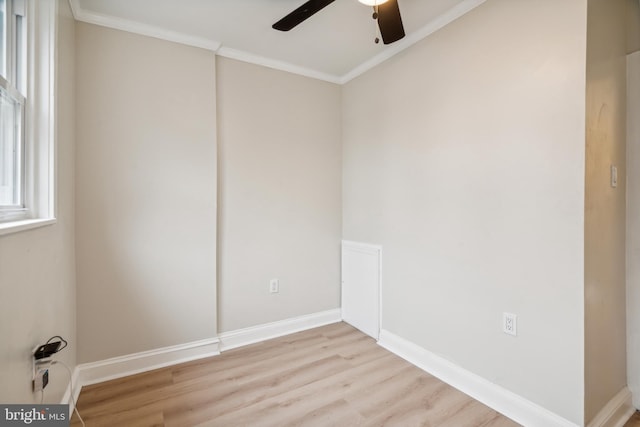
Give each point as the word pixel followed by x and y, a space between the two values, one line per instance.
pixel 11 151
pixel 26 113
pixel 12 99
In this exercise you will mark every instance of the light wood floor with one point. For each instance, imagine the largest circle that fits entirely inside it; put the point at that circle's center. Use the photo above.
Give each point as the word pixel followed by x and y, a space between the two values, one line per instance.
pixel 329 376
pixel 634 421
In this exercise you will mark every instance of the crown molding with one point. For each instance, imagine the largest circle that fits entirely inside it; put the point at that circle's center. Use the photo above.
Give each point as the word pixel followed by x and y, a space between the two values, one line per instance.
pixel 446 18
pixel 240 55
pixel 143 29
pixel 244 56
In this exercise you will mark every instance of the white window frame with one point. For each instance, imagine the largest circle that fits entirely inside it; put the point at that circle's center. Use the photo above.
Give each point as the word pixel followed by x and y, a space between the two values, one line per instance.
pixel 39 121
pixel 17 211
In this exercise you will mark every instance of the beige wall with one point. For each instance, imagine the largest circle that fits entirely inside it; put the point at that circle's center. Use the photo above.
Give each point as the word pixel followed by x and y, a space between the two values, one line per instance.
pixel 280 197
pixel 37 268
pixel 633 25
pixel 605 337
pixel 633 226
pixel 464 157
pixel 145 192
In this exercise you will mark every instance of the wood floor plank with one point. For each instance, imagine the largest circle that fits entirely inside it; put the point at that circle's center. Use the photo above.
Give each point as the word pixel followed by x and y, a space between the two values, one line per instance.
pixel 499 420
pixel 253 392
pixel 634 421
pixel 296 403
pixel 123 388
pixel 398 390
pixel 472 414
pixel 337 413
pixel 139 417
pixel 254 355
pixel 220 383
pixel 409 410
pixel 262 360
pixel 328 376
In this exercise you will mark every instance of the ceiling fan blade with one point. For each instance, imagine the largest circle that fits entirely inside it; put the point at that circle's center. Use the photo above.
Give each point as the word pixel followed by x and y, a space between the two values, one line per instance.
pixel 302 13
pixel 390 22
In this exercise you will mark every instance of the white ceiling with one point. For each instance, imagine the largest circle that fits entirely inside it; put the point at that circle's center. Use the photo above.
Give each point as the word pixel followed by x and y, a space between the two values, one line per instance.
pixel 336 44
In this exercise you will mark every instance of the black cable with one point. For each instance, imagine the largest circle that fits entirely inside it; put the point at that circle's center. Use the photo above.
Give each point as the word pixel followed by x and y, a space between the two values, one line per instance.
pixel 61 339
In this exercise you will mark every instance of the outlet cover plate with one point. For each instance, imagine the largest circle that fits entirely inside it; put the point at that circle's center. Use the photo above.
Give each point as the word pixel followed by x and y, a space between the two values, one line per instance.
pixel 510 324
pixel 274 286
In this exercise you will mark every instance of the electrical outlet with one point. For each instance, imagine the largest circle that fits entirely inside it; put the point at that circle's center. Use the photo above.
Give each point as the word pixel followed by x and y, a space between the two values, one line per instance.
pixel 41 379
pixel 40 368
pixel 274 286
pixel 510 324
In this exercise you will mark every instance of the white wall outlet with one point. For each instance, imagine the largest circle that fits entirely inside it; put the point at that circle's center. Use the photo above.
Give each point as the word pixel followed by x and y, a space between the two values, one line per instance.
pixel 510 324
pixel 614 176
pixel 274 286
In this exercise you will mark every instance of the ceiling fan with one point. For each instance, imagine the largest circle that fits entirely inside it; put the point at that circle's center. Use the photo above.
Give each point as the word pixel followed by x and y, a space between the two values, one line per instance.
pixel 385 12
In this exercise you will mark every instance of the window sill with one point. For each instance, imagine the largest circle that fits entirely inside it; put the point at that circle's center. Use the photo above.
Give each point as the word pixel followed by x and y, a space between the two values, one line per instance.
pixel 26 224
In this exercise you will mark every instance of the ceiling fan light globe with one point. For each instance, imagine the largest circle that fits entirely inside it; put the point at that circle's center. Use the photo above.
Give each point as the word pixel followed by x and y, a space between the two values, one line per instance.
pixel 372 2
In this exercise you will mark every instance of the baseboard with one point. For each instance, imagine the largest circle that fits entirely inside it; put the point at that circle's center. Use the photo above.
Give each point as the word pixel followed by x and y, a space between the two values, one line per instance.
pixel 118 367
pixel 71 393
pixel 254 334
pixel 616 413
pixel 498 398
